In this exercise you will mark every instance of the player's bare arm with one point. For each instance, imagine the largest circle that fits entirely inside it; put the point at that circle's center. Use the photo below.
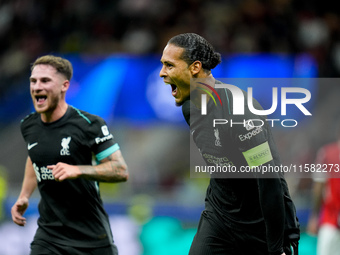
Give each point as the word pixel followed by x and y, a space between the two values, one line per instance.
pixel 111 169
pixel 28 186
pixel 313 222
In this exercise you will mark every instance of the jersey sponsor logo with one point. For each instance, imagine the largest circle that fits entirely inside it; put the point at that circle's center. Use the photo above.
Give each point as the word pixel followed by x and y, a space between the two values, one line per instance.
pixel 218 161
pixel 30 146
pixel 103 139
pixel 43 173
pixel 106 133
pixel 250 134
pixel 249 125
pixel 37 173
pixel 65 142
pixel 105 130
pixel 217 138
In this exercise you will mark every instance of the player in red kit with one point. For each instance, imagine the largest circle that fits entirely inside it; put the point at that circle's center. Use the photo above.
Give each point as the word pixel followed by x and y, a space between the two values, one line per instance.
pixel 325 217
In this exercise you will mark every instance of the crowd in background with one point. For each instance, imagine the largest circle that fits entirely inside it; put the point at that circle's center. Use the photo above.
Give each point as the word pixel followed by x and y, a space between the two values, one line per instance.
pixel 32 28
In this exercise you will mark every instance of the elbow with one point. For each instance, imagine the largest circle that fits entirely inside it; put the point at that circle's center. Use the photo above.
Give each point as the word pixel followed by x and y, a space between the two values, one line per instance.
pixel 126 177
pixel 125 173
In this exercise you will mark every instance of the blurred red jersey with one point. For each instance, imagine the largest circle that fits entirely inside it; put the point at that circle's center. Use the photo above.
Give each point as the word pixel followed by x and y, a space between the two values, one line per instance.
pixel 329 155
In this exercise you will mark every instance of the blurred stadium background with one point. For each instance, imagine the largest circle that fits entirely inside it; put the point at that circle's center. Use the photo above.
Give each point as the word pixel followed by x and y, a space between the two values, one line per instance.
pixel 115 47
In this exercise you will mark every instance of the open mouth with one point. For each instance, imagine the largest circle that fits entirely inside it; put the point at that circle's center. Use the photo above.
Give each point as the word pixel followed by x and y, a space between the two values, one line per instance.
pixel 40 99
pixel 174 89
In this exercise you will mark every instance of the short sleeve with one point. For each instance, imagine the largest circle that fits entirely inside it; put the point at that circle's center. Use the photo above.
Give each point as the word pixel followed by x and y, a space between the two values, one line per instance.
pixel 102 142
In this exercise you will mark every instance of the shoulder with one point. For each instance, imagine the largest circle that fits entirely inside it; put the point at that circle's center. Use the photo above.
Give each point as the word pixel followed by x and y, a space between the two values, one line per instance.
pixel 30 118
pixel 87 123
pixel 230 92
pixel 84 117
pixel 30 124
pixel 229 88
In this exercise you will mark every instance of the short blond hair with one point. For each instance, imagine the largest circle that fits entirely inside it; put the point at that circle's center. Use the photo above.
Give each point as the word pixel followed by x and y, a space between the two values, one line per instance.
pixel 62 65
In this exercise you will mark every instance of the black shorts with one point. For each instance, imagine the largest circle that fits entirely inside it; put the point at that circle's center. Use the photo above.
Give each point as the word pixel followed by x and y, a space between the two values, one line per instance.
pixel 39 247
pixel 215 237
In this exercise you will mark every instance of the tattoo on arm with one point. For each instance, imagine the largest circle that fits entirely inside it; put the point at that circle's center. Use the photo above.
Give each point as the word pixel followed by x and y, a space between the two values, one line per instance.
pixel 111 169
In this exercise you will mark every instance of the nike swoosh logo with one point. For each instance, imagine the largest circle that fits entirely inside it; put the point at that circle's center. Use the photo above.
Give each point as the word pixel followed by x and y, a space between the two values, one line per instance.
pixel 30 146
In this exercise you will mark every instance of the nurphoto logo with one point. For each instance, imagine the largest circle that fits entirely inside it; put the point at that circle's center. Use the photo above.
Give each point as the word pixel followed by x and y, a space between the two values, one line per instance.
pixel 239 98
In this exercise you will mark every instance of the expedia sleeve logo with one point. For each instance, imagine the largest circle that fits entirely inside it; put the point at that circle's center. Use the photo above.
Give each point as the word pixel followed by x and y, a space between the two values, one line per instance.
pixel 250 134
pixel 106 133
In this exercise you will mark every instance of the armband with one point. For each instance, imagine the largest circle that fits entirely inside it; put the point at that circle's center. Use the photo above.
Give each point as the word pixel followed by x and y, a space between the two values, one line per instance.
pixel 258 155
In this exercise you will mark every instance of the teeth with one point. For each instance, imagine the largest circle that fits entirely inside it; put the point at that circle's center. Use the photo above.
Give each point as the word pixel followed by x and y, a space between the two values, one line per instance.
pixel 40 98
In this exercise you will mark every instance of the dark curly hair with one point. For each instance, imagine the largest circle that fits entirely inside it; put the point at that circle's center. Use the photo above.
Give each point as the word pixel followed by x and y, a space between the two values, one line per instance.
pixel 196 48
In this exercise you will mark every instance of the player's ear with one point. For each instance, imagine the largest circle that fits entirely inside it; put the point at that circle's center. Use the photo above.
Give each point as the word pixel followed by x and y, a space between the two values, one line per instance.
pixel 195 68
pixel 65 86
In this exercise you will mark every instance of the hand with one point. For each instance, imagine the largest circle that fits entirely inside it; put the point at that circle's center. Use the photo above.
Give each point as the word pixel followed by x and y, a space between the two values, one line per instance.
pixel 18 210
pixel 62 171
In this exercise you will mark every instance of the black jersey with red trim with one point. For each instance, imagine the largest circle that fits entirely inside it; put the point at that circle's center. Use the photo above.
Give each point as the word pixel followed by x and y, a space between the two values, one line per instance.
pixel 71 211
pixel 243 200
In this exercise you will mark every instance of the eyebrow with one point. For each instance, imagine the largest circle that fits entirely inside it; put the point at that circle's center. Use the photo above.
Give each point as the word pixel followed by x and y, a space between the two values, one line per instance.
pixel 41 78
pixel 167 62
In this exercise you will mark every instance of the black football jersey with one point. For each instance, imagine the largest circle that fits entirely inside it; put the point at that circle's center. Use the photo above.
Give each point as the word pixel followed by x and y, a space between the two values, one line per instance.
pixel 71 211
pixel 241 199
